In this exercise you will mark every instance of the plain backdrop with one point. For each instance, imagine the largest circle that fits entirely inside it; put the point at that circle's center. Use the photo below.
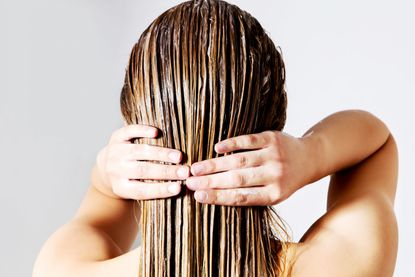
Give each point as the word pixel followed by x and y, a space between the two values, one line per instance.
pixel 62 65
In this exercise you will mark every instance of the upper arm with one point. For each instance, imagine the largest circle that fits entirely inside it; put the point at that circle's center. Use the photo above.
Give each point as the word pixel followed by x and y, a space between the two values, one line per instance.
pixel 116 217
pixel 95 242
pixel 358 234
pixel 376 175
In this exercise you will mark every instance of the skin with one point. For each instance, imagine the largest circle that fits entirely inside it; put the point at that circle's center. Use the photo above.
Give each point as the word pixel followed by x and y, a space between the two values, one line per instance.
pixel 357 236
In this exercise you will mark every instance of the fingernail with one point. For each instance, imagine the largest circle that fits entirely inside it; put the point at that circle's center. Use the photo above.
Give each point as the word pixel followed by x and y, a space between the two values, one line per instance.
pixel 183 172
pixel 174 156
pixel 197 169
pixel 220 147
pixel 152 132
pixel 201 196
pixel 193 183
pixel 174 188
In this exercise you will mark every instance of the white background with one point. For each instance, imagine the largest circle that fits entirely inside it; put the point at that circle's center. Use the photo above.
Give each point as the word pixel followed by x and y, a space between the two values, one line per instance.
pixel 62 66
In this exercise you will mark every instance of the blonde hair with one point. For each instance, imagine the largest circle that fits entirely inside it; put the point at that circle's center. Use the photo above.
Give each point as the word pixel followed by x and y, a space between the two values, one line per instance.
pixel 204 71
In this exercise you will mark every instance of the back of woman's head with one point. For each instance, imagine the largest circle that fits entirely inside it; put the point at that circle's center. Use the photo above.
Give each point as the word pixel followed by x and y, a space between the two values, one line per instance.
pixel 204 71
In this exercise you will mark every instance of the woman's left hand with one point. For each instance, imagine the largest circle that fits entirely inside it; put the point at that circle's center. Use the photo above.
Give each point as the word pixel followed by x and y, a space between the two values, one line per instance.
pixel 276 166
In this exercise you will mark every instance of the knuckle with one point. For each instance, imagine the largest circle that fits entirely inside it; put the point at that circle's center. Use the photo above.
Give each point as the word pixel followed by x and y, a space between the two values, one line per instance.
pixel 141 169
pixel 210 182
pixel 165 171
pixel 159 191
pixel 210 166
pixel 236 179
pixel 214 197
pixel 138 192
pixel 168 171
pixel 274 154
pixel 240 199
pixel 250 139
pixel 277 139
pixel 232 142
pixel 252 173
pixel 207 183
pixel 272 137
pixel 267 133
pixel 242 161
pixel 162 154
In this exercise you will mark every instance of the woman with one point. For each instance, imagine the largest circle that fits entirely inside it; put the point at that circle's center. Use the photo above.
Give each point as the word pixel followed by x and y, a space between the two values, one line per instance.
pixel 211 81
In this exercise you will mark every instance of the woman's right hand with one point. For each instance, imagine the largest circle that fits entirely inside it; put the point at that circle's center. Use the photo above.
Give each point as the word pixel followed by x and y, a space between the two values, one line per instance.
pixel 120 163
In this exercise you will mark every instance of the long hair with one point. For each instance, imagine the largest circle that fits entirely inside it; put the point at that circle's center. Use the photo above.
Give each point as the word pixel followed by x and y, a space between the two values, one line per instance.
pixel 204 71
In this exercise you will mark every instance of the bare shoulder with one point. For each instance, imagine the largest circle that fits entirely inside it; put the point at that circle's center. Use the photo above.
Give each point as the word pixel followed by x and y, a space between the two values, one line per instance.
pixel 358 234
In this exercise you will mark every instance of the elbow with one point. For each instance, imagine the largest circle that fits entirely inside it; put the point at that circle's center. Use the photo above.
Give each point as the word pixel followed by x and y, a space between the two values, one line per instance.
pixel 43 266
pixel 375 126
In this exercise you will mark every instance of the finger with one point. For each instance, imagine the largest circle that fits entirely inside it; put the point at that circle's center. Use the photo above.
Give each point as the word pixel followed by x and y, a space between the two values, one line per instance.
pixel 147 152
pixel 129 132
pixel 259 196
pixel 154 171
pixel 133 189
pixel 230 162
pixel 239 178
pixel 251 141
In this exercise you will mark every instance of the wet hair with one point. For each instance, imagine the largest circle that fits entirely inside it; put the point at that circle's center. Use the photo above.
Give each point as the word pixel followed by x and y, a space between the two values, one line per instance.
pixel 204 71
